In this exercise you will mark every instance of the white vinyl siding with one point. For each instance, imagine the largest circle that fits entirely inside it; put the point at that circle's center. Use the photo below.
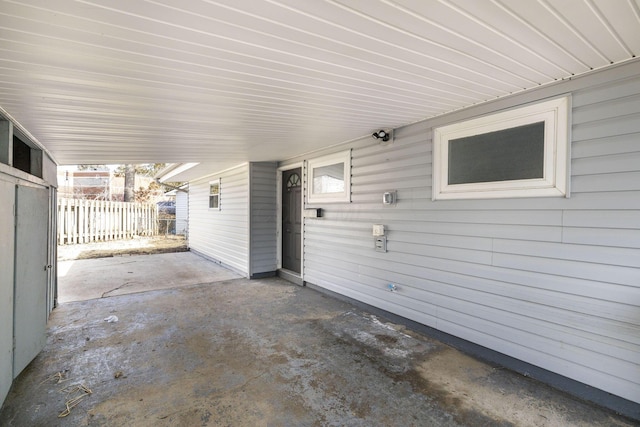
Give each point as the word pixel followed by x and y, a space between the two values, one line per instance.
pixel 182 212
pixel 554 282
pixel 263 218
pixel 222 234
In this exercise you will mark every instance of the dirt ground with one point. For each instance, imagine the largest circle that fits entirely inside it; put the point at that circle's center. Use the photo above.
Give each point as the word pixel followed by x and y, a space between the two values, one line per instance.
pixel 135 246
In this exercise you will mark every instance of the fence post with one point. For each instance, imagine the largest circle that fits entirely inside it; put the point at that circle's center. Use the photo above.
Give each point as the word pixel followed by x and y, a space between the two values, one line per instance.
pixel 83 221
pixel 120 236
pixel 129 216
pixel 65 226
pixel 69 222
pixel 87 221
pixel 103 222
pixel 60 223
pixel 91 220
pixel 76 221
pixel 100 223
pixel 156 217
pixel 109 221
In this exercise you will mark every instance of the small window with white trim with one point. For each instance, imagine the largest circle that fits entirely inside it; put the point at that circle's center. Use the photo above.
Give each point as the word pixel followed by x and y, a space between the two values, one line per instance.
pixel 521 152
pixel 329 178
pixel 214 194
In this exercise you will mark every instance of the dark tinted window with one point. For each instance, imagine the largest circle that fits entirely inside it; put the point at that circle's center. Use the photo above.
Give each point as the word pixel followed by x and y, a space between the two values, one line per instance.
pixel 504 155
pixel 21 155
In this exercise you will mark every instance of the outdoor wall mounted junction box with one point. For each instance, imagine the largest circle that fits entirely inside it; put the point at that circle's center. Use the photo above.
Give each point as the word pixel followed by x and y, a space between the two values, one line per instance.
pixel 389 197
pixel 313 213
pixel 381 243
pixel 379 239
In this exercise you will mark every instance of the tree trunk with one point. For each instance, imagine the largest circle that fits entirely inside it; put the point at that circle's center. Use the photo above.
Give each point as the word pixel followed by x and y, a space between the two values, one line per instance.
pixel 129 183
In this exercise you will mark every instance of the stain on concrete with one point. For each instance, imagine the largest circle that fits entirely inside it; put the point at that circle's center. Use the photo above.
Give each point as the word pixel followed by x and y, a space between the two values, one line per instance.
pixel 267 353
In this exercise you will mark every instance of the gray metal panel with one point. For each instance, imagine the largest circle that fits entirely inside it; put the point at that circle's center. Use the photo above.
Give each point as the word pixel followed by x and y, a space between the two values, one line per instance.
pixel 30 290
pixel 49 170
pixel 7 195
pixel 263 215
pixel 222 234
pixel 551 281
pixel 6 142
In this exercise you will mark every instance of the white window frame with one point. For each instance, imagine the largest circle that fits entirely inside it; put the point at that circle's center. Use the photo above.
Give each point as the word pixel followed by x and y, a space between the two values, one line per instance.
pixel 343 197
pixel 554 113
pixel 218 183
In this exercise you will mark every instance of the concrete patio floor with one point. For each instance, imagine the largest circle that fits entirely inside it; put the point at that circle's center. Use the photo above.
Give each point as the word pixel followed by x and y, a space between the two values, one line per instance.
pixel 81 280
pixel 223 350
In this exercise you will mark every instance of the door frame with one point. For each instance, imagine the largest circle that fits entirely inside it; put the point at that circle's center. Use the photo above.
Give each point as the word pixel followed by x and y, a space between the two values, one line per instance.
pixel 280 170
pixel 52 252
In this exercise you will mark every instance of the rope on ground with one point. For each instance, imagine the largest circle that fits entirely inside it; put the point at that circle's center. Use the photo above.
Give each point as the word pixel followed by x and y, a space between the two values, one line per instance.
pixel 75 394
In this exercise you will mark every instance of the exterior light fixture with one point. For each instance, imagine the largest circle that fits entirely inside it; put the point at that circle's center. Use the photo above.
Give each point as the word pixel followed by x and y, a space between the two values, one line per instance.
pixel 383 135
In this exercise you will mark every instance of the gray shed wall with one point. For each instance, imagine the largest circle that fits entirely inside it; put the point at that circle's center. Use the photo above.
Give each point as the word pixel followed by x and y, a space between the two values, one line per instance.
pixel 13 181
pixel 554 282
pixel 7 247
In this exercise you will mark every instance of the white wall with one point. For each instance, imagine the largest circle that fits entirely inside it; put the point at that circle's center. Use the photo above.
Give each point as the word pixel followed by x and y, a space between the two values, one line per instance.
pixel 182 212
pixel 222 234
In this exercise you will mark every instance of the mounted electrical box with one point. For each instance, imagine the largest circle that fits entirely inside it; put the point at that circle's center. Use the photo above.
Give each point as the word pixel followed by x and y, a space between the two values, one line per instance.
pixel 389 197
pixel 381 244
pixel 313 213
pixel 378 230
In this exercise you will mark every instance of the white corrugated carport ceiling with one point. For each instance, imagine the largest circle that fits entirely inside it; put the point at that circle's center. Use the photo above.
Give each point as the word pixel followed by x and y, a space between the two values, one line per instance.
pixel 226 82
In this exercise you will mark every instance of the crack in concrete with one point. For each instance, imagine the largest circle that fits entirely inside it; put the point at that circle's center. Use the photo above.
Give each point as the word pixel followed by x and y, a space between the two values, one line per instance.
pixel 104 294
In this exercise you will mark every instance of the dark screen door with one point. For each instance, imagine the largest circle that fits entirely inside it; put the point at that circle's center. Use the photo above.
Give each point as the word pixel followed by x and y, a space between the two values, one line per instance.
pixel 291 219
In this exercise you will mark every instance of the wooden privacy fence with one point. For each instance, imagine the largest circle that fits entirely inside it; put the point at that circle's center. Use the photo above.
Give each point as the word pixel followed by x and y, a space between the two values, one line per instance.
pixel 85 221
